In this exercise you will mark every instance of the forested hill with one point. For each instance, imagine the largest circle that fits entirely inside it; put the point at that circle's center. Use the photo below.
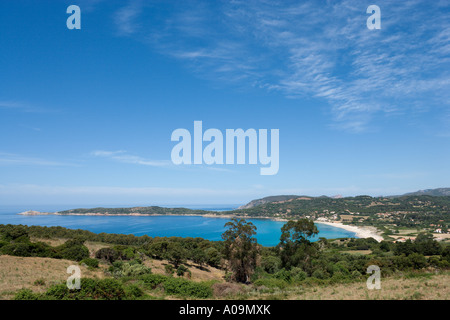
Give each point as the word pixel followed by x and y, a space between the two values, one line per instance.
pixel 403 210
pixel 430 192
pixel 265 200
pixel 280 198
pixel 152 210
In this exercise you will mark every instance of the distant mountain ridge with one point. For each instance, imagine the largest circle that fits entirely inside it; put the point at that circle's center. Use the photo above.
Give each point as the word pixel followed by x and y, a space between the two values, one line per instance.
pixel 284 198
pixel 429 192
pixel 265 200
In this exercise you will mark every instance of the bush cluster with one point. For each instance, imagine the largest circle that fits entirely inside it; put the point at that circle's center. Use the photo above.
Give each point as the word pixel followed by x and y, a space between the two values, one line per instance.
pixel 90 289
pixel 178 286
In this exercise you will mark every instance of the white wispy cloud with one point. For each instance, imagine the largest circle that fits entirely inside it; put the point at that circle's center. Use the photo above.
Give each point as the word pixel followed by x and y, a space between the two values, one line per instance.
pixel 320 50
pixel 111 190
pixel 15 159
pixel 36 194
pixel 126 18
pixel 18 106
pixel 124 157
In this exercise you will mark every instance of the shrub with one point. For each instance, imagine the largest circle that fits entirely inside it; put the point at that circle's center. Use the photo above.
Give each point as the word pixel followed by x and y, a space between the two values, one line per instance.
pixel 228 276
pixel 39 282
pixel 134 270
pixel 126 252
pixel 103 289
pixel 312 281
pixel 270 264
pixel 15 233
pixel 223 290
pixel 178 286
pixel 341 267
pixel 3 243
pixel 271 283
pixel 153 280
pixel 339 277
pixel 444 264
pixel 297 274
pixel 58 292
pixel 76 253
pixel 90 262
pixel 17 249
pixel 319 274
pixel 128 269
pixel 133 291
pixel 26 294
pixel 73 250
pixel 168 268
pixel 181 270
pixel 418 261
pixel 40 249
pixel 186 288
pixel 108 254
pixel 283 275
pixel 213 257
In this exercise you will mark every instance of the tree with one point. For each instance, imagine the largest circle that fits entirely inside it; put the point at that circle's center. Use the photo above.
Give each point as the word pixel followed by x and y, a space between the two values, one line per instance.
pixel 175 254
pixel 107 254
pixel 16 234
pixel 295 249
pixel 270 264
pixel 199 256
pixel 158 249
pixel 418 261
pixel 240 248
pixel 213 257
pixel 426 245
pixel 405 248
pixel 181 270
pixel 73 249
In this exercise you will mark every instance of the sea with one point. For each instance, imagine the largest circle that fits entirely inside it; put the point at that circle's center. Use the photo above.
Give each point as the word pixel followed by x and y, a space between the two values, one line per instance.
pixel 267 231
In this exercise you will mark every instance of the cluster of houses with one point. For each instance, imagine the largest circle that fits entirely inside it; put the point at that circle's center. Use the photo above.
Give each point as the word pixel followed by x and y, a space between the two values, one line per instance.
pixel 439 229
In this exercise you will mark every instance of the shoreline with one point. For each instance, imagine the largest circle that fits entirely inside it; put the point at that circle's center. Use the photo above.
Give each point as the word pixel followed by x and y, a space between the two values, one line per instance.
pixel 360 232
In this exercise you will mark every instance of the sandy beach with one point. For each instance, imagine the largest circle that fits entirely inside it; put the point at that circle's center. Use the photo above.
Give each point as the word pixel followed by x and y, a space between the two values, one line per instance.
pixel 361 232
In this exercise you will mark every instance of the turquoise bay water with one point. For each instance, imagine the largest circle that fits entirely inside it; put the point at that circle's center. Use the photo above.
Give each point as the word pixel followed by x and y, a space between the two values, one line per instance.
pixel 268 231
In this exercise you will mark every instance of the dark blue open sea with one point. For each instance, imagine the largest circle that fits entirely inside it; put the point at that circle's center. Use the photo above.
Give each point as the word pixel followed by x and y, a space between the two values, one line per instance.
pixel 268 231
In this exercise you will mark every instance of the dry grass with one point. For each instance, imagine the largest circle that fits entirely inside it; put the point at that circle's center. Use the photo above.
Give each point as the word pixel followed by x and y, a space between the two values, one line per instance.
pixel 228 290
pixel 441 236
pixel 358 251
pixel 197 274
pixel 22 272
pixel 51 242
pixel 407 231
pixel 91 245
pixel 436 287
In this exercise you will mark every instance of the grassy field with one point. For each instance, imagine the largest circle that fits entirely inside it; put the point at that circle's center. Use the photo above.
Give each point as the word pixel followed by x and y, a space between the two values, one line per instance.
pixel 432 287
pixel 197 273
pixel 36 274
pixel 91 245
pixel 358 251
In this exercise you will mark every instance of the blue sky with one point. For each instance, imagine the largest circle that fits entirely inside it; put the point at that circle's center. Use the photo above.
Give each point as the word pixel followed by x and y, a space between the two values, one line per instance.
pixel 86 115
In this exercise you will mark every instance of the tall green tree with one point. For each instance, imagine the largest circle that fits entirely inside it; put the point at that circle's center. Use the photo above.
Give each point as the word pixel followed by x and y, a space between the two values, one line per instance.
pixel 426 245
pixel 295 249
pixel 176 254
pixel 240 248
